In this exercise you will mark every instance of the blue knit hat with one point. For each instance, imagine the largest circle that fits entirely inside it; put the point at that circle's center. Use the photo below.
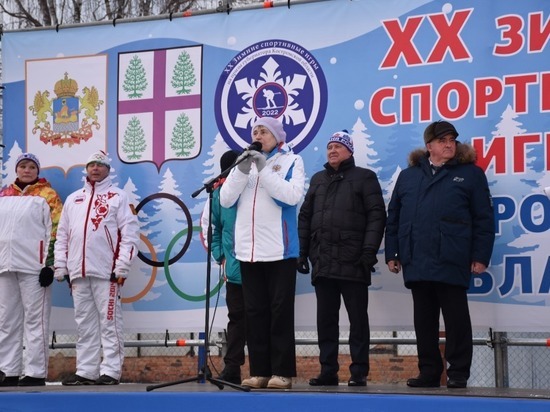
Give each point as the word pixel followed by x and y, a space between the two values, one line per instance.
pixel 27 156
pixel 344 138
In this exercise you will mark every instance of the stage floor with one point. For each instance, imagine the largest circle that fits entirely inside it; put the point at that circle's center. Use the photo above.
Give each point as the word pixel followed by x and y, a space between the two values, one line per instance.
pixel 397 389
pixel 195 396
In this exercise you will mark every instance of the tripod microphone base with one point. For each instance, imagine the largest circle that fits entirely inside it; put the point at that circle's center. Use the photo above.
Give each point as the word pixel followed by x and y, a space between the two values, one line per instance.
pixel 231 384
pixel 201 377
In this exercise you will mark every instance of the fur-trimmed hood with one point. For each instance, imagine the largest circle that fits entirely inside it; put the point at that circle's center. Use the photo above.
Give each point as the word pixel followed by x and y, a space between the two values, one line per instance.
pixel 465 153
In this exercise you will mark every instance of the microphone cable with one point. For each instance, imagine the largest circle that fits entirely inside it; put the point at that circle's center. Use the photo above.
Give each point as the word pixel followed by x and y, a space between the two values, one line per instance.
pixel 211 326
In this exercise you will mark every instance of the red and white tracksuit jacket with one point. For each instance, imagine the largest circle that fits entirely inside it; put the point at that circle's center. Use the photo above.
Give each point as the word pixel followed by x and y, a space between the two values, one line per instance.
pixel 98 234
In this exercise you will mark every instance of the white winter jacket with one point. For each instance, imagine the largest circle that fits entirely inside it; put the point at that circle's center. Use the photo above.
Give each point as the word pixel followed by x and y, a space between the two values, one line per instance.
pixel 266 224
pixel 98 233
pixel 25 227
pixel 28 224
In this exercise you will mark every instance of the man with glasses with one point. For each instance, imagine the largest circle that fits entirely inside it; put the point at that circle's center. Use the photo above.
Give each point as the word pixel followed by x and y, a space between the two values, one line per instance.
pixel 440 231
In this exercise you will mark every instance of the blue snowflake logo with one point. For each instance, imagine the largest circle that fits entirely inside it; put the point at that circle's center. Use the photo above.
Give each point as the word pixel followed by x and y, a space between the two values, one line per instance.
pixel 273 78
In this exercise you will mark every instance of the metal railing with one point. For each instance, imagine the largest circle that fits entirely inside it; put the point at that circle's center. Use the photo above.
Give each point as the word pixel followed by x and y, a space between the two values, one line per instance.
pixel 498 342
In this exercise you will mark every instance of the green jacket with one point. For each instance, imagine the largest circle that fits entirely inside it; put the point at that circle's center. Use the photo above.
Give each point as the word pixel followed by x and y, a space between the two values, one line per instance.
pixel 223 237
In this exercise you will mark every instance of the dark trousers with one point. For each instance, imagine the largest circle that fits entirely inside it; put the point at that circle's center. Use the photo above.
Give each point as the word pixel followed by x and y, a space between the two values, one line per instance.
pixel 356 300
pixel 429 299
pixel 269 289
pixel 234 357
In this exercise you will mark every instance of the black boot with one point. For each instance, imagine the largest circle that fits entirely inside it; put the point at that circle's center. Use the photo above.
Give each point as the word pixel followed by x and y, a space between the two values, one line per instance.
pixel 231 375
pixel 30 381
pixel 423 382
pixel 324 380
pixel 10 381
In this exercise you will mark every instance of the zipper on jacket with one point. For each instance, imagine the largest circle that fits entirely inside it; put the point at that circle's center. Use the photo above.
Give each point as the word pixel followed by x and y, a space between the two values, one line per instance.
pixel 115 249
pixel 86 229
pixel 254 217
pixel 41 252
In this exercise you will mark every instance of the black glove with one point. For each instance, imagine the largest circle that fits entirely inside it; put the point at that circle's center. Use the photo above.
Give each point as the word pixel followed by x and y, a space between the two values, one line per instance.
pixel 120 280
pixel 367 261
pixel 46 277
pixel 302 265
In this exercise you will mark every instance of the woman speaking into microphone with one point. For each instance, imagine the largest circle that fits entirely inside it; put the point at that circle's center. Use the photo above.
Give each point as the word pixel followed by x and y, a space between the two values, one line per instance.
pixel 266 187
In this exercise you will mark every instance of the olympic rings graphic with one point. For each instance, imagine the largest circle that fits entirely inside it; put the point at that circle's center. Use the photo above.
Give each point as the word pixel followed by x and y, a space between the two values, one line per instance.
pixel 177 201
pixel 167 262
pixel 180 293
pixel 147 288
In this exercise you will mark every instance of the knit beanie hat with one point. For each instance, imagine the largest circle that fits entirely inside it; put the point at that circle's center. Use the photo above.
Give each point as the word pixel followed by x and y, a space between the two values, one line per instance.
pixel 99 157
pixel 227 159
pixel 27 156
pixel 274 126
pixel 439 129
pixel 344 138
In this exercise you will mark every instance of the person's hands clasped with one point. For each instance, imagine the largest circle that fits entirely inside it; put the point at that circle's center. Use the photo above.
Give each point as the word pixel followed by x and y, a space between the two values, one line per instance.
pixel 45 278
pixel 302 265
pixel 259 159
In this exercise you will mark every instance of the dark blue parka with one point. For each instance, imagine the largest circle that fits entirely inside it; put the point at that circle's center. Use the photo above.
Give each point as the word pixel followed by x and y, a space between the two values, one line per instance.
pixel 342 218
pixel 439 224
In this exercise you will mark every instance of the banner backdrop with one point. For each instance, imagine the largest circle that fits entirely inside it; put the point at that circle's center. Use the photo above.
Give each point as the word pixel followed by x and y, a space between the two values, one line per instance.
pixel 166 97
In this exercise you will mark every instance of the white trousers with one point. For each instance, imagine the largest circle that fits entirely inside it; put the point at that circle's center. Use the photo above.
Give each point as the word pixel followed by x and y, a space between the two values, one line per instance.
pixel 98 315
pixel 25 309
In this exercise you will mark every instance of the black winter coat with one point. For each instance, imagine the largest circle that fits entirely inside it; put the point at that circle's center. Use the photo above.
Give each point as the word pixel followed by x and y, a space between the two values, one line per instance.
pixel 439 224
pixel 342 218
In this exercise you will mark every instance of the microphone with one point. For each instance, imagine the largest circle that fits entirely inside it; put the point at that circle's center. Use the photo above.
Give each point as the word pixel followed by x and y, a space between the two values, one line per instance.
pixel 257 146
pixel 246 153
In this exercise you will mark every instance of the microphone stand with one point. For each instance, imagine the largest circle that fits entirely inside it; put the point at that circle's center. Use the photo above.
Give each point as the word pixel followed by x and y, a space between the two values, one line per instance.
pixel 210 184
pixel 204 370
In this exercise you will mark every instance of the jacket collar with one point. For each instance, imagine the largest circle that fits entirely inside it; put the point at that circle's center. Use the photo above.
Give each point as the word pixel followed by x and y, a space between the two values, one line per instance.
pixel 345 165
pixel 105 183
pixel 465 153
pixel 280 148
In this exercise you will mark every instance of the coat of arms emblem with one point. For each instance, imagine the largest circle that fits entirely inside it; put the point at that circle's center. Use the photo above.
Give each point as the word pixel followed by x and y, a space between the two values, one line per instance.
pixel 68 118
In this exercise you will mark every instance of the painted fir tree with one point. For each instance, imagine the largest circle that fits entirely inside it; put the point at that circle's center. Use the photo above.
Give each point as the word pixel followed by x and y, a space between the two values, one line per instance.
pixel 133 143
pixel 183 139
pixel 8 165
pixel 135 79
pixel 183 77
